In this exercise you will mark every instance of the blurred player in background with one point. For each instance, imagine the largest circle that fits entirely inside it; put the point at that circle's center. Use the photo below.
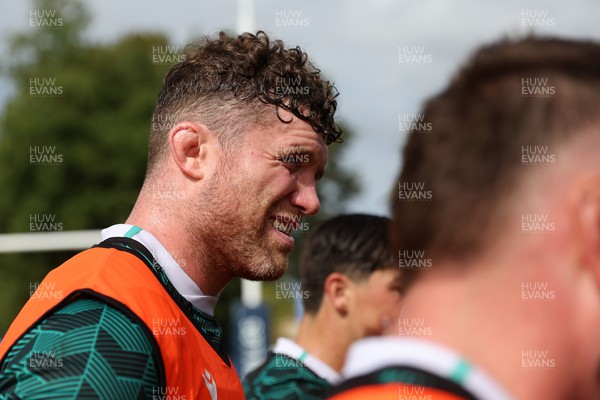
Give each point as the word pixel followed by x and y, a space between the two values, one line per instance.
pixel 135 315
pixel 511 299
pixel 352 284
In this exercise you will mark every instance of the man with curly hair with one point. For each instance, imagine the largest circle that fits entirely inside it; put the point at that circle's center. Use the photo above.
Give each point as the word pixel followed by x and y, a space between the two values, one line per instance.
pixel 239 138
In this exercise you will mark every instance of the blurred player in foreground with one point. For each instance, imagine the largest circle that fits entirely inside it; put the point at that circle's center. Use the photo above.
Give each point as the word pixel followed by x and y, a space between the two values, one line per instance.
pixel 510 294
pixel 134 318
pixel 352 284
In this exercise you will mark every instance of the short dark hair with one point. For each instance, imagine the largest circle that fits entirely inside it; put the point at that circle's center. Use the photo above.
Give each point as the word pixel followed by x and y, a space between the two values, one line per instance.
pixel 355 245
pixel 470 161
pixel 225 82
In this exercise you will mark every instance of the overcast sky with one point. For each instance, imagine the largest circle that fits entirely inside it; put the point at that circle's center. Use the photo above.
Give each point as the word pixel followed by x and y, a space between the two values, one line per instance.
pixel 357 44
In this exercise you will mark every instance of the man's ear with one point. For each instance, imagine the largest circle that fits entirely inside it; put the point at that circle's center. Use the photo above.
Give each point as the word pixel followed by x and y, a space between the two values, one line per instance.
pixel 338 290
pixel 192 146
pixel 589 224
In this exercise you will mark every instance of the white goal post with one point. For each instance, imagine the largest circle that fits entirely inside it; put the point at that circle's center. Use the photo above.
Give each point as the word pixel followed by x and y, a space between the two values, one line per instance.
pixel 48 241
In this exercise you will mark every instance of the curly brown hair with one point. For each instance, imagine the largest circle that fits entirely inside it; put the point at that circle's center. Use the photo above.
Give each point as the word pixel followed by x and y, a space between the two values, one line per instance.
pixel 225 83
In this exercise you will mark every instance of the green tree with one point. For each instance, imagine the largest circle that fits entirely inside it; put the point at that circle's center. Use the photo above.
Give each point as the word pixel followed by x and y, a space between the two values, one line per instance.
pixel 74 135
pixel 74 138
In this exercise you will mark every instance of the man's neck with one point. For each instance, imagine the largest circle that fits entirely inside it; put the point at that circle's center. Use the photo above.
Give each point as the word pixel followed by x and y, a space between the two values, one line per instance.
pixel 487 322
pixel 177 242
pixel 325 339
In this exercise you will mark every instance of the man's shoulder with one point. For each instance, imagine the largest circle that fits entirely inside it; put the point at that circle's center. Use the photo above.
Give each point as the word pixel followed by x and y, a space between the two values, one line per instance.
pixel 86 343
pixel 399 382
pixel 284 368
pixel 281 376
pixel 397 367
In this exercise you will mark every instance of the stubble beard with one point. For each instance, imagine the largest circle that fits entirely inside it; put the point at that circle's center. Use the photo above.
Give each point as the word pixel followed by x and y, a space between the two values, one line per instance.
pixel 233 240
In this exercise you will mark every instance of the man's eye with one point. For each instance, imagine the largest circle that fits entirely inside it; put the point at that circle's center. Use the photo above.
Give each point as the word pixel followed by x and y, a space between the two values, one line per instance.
pixel 295 159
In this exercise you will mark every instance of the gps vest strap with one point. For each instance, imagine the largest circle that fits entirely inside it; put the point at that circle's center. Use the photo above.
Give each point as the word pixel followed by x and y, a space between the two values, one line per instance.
pixel 212 334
